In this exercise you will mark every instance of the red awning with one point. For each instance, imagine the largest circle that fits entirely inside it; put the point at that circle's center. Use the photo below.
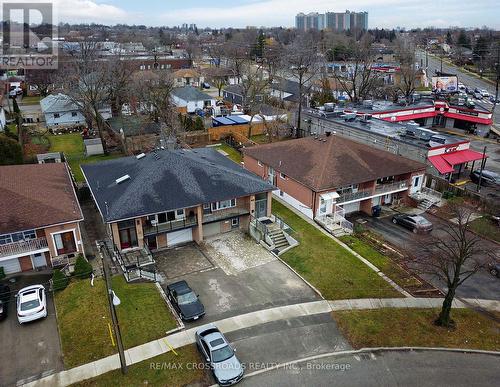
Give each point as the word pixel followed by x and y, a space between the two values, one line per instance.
pixel 462 156
pixel 441 165
pixel 465 117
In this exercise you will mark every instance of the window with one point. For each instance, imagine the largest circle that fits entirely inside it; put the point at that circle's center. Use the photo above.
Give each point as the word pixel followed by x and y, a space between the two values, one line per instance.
pixel 235 222
pixel 385 180
pixel 259 163
pixel 74 114
pixel 5 239
pixel 57 115
pixel 347 189
pixel 65 242
pixel 282 175
pixel 142 67
pixel 207 208
pixel 179 213
pixel 223 204
pixel 417 179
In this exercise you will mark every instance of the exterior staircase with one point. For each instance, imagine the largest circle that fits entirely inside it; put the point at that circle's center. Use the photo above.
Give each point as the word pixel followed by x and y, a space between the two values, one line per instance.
pixel 279 240
pixel 425 204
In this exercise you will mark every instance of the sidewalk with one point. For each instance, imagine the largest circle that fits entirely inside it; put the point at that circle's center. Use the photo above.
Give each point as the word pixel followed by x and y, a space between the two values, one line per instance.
pixel 157 347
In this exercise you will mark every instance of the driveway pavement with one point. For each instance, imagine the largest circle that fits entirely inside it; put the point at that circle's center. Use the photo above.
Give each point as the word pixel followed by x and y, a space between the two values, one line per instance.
pixel 391 368
pixel 481 285
pixel 232 281
pixel 32 350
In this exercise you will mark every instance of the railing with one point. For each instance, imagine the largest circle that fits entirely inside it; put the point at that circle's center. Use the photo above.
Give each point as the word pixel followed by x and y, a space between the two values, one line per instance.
pixel 170 225
pixel 23 247
pixel 379 188
pixel 431 192
pixel 360 194
pixel 63 260
pixel 259 225
pixel 345 224
pixel 224 214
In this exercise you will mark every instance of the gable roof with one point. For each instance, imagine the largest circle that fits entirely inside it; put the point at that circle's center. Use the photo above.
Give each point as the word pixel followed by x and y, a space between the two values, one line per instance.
pixel 186 73
pixel 55 103
pixel 167 180
pixel 35 196
pixel 331 162
pixel 134 125
pixel 190 93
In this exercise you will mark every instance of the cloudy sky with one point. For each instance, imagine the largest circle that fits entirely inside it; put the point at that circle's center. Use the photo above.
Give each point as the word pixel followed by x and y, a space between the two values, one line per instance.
pixel 241 13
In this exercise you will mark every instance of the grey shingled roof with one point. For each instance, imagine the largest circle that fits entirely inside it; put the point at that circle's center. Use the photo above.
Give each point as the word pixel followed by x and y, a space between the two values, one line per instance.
pixel 190 93
pixel 56 103
pixel 167 180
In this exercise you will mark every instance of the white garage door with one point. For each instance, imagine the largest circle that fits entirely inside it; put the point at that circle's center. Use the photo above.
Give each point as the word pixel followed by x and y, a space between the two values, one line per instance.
pixel 211 229
pixel 11 266
pixel 39 260
pixel 181 236
pixel 351 207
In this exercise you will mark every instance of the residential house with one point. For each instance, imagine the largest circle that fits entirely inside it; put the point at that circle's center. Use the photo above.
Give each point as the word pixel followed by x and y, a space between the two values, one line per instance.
pixel 169 197
pixel 188 99
pixel 330 175
pixel 285 90
pixel 60 111
pixel 235 95
pixel 40 221
pixel 187 77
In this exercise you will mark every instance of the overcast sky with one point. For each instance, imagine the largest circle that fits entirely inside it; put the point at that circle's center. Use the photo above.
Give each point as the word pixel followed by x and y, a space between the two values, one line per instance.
pixel 242 13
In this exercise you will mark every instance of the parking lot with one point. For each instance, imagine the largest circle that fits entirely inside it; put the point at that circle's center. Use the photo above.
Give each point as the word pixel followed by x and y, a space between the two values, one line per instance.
pixel 481 285
pixel 31 350
pixel 233 275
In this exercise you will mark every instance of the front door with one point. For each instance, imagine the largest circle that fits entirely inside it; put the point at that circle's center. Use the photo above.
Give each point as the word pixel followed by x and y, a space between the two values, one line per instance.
pixel 260 208
pixel 128 235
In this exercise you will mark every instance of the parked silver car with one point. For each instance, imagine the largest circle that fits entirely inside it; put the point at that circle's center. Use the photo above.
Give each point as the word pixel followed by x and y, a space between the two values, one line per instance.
pixel 217 351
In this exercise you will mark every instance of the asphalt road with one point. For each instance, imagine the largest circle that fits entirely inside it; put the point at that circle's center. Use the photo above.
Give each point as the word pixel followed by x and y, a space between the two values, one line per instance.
pixel 30 350
pixel 481 285
pixel 467 79
pixel 281 341
pixel 391 368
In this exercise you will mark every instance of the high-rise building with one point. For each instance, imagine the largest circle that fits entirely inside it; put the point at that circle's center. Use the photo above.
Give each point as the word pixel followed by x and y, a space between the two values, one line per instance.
pixel 335 21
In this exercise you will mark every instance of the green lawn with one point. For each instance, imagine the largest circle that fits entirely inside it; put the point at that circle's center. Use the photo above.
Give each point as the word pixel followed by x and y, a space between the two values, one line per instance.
pixel 484 226
pixel 390 327
pixel 34 100
pixel 83 318
pixel 384 263
pixel 143 314
pixel 167 369
pixel 233 154
pixel 335 272
pixel 72 146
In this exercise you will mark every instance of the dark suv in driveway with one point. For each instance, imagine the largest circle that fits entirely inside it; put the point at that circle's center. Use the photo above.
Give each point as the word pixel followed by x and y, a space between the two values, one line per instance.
pixel 415 223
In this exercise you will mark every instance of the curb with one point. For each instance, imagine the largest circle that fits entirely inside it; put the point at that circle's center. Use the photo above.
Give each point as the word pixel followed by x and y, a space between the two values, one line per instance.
pixel 370 350
pixel 180 324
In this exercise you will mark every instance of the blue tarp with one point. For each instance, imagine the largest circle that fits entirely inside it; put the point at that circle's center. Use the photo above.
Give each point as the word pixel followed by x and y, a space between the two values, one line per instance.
pixel 218 121
pixel 237 119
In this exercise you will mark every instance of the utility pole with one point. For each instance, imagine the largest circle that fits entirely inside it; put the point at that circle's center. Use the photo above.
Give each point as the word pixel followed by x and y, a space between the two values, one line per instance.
pixel 498 78
pixel 105 255
pixel 483 163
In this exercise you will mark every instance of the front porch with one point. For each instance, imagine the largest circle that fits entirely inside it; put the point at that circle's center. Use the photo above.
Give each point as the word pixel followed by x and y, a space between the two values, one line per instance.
pixel 335 223
pixel 273 233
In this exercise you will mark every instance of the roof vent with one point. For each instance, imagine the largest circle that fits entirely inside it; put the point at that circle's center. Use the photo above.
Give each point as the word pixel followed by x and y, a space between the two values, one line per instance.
pixel 140 156
pixel 122 179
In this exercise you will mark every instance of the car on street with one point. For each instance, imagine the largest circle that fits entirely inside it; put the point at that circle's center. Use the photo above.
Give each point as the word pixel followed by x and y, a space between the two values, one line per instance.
pixel 494 269
pixel 219 354
pixel 31 304
pixel 461 86
pixel 4 300
pixel 478 95
pixel 185 301
pixel 488 178
pixel 492 99
pixel 415 223
pixel 485 93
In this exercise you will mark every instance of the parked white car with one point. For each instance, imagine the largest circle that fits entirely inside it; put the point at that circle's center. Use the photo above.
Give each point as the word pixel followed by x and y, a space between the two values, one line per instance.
pixel 31 303
pixel 485 93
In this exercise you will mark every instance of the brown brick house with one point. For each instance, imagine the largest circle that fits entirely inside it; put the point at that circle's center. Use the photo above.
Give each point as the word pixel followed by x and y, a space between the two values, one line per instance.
pixel 40 217
pixel 169 197
pixel 326 175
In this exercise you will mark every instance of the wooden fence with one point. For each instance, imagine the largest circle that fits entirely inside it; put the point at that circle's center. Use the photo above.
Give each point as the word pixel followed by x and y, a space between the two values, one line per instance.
pixel 218 132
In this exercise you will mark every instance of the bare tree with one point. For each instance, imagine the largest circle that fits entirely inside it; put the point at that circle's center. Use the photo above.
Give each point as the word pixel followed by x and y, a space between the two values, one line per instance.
pixel 407 70
pixel 359 79
pixel 42 79
pixel 301 61
pixel 236 51
pixel 86 82
pixel 152 89
pixel 119 74
pixel 217 76
pixel 453 258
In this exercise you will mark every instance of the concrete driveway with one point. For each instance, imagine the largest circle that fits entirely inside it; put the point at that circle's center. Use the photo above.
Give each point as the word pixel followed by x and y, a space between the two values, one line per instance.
pixel 32 350
pixel 481 285
pixel 233 275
